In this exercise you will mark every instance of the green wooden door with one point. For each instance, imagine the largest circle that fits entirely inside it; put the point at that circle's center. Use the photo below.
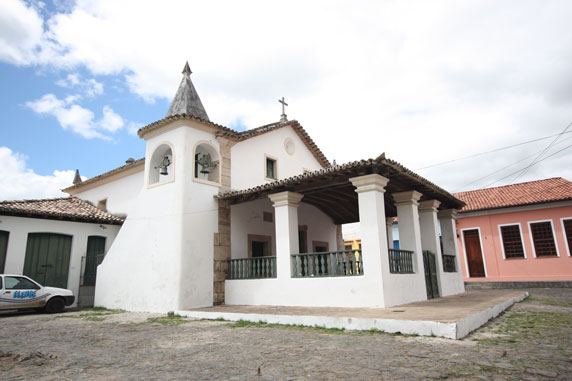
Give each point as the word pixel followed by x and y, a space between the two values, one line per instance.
pixel 48 258
pixel 3 248
pixel 93 257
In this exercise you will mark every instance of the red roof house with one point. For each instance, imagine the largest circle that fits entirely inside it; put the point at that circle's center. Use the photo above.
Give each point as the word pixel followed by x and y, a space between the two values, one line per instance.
pixel 518 232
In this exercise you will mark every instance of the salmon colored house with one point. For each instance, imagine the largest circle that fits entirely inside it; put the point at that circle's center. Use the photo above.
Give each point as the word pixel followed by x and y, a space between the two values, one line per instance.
pixel 519 232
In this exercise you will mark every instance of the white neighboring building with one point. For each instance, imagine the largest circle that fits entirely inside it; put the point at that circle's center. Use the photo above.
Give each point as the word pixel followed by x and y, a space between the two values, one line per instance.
pixel 254 217
pixel 56 242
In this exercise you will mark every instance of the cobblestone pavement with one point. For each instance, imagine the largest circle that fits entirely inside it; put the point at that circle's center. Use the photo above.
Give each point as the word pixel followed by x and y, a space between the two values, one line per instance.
pixel 530 341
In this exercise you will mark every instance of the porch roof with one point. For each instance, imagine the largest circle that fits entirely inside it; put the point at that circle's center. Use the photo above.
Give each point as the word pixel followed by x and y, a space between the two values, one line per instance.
pixel 330 190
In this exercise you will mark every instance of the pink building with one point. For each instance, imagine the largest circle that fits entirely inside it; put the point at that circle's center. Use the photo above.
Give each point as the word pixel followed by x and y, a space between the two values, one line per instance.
pixel 520 232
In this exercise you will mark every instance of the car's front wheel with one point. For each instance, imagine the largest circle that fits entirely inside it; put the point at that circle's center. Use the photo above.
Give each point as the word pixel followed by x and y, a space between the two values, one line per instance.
pixel 55 305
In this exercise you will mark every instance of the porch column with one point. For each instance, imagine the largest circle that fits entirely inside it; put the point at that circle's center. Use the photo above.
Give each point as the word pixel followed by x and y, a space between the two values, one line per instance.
pixel 409 231
pixel 370 190
pixel 430 234
pixel 286 223
pixel 454 281
pixel 389 225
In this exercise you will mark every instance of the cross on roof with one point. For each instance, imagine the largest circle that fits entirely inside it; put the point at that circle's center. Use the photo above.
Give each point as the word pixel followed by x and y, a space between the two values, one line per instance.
pixel 283 117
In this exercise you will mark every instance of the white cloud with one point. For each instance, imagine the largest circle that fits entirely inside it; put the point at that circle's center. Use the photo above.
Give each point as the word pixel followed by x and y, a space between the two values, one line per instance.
pixel 422 81
pixel 111 121
pixel 89 87
pixel 76 118
pixel 24 183
pixel 21 33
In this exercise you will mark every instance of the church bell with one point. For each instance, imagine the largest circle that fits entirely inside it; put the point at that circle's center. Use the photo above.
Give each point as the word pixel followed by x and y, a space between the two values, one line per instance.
pixel 163 166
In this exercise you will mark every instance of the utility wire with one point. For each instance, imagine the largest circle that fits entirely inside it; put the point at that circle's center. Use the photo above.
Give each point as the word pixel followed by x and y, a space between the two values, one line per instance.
pixel 542 153
pixel 495 150
pixel 530 165
pixel 508 166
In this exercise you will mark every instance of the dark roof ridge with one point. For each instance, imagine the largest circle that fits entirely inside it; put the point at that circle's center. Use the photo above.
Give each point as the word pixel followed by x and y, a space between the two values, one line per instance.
pixel 106 174
pixel 59 208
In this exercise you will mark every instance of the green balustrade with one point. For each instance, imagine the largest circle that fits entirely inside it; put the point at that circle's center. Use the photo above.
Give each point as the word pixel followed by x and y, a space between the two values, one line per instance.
pixel 400 261
pixel 252 268
pixel 327 264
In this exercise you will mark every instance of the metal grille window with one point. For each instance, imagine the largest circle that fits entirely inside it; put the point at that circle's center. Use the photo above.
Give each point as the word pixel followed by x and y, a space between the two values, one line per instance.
pixel 568 233
pixel 512 241
pixel 543 239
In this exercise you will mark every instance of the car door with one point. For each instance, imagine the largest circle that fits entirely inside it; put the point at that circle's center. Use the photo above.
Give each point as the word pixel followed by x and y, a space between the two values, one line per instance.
pixel 21 292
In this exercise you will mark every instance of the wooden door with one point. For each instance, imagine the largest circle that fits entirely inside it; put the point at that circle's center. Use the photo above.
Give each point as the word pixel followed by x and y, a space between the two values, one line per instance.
pixel 474 253
pixel 93 257
pixel 3 248
pixel 48 258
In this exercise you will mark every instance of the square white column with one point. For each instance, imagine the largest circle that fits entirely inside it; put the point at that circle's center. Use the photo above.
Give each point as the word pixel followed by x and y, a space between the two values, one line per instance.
pixel 409 287
pixel 452 282
pixel 370 190
pixel 286 224
pixel 429 226
pixel 409 231
pixel 389 226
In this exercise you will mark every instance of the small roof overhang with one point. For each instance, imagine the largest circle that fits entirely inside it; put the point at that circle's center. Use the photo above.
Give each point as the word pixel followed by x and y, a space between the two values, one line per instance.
pixel 331 191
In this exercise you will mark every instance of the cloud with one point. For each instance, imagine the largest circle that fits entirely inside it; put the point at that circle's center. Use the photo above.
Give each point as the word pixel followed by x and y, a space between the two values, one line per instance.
pixel 24 183
pixel 21 32
pixel 423 81
pixel 76 118
pixel 89 87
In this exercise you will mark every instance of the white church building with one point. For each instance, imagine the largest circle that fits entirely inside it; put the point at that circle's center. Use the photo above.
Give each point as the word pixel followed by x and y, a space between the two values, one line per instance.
pixel 254 218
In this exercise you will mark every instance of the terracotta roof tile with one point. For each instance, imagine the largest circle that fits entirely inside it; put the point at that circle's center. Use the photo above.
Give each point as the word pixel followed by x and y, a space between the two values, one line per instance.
pixel 68 209
pixel 533 192
pixel 379 162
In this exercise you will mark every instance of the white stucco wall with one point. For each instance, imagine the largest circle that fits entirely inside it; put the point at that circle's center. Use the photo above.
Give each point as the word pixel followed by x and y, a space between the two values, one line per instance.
pixel 357 291
pixel 120 193
pixel 248 164
pixel 246 218
pixel 19 227
pixel 166 242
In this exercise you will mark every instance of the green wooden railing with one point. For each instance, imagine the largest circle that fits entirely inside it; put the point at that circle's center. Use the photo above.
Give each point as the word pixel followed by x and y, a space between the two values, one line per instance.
pixel 327 264
pixel 252 268
pixel 400 261
pixel 449 263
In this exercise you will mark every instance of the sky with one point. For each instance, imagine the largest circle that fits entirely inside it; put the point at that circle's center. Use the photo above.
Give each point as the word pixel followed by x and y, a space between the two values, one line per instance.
pixel 426 82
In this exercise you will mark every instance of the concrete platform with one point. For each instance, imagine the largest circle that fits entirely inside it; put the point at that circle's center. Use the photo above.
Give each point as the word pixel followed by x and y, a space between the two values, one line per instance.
pixel 452 317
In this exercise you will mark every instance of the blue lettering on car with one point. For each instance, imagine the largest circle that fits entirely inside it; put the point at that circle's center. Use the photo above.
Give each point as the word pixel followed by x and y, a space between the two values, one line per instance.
pixel 24 294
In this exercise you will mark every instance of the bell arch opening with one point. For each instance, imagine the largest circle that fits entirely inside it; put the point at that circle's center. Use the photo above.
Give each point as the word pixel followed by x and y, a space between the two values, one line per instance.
pixel 206 163
pixel 161 167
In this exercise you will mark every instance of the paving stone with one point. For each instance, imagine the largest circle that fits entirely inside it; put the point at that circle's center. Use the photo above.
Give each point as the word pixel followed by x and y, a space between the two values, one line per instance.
pixel 125 346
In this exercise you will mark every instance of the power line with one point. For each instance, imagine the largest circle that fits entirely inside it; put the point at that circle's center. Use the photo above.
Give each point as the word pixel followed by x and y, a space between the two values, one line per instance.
pixel 530 165
pixel 495 150
pixel 542 153
pixel 510 165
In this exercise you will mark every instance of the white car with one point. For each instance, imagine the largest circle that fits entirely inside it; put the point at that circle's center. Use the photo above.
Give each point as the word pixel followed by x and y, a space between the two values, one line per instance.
pixel 21 292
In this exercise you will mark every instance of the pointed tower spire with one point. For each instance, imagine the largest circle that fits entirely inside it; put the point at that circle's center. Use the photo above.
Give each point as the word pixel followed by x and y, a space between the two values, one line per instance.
pixel 77 177
pixel 187 99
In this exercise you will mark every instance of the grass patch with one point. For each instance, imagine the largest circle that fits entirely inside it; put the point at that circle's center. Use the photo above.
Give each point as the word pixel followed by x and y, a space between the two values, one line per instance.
pixel 95 318
pixel 260 324
pixel 93 314
pixel 217 319
pixel 170 320
pixel 549 301
pixel 517 327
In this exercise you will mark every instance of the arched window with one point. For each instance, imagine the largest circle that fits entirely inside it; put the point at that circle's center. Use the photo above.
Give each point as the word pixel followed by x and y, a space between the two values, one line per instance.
pixel 161 168
pixel 206 163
